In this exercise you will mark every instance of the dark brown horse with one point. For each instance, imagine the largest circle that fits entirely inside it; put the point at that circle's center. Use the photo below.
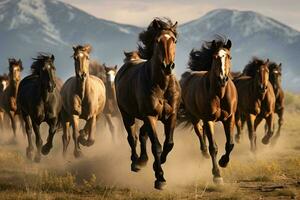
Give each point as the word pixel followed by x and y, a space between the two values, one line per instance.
pixel 39 101
pixel 208 94
pixel 9 95
pixel 147 89
pixel 256 100
pixel 83 98
pixel 275 79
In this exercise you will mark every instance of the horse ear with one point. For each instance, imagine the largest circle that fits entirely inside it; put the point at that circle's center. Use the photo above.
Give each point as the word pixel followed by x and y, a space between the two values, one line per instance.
pixel 116 67
pixel 213 44
pixel 156 24
pixel 267 61
pixel 175 25
pixel 228 45
pixel 74 48
pixel 52 58
pixel 88 48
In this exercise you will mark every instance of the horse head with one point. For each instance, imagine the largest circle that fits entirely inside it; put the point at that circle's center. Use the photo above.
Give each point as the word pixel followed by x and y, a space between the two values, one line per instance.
pixel 82 60
pixel 110 73
pixel 15 69
pixel 47 73
pixel 262 77
pixel 275 75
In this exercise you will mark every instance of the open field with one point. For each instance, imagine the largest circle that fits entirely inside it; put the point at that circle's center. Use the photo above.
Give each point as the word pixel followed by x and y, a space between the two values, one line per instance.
pixel 104 172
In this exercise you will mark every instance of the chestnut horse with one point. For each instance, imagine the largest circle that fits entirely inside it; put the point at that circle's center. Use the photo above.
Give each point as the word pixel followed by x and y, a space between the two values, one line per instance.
pixel 39 101
pixel 146 89
pixel 8 103
pixel 256 100
pixel 83 98
pixel 208 94
pixel 275 79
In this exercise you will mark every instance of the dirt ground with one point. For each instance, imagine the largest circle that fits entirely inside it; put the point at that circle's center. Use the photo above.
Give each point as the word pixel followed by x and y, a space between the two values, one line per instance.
pixel 104 171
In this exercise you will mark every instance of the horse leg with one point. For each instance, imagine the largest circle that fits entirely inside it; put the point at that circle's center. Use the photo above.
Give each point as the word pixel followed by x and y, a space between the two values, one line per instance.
pixel 22 125
pixel 169 127
pixel 238 124
pixel 38 141
pixel 65 137
pixel 269 134
pixel 111 126
pixel 228 127
pixel 52 129
pixel 75 123
pixel 280 122
pixel 202 138
pixel 28 129
pixel 251 131
pixel 142 160
pixel 156 148
pixel 129 124
pixel 213 151
pixel 1 122
pixel 13 125
pixel 91 131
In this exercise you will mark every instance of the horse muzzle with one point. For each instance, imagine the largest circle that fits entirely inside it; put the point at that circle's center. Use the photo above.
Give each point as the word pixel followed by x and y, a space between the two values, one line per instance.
pixel 262 88
pixel 81 76
pixel 223 80
pixel 168 67
pixel 51 87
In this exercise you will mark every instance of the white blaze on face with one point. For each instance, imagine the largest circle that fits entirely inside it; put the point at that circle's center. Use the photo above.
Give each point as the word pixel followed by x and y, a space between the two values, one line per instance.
pixel 222 54
pixel 4 84
pixel 81 55
pixel 111 76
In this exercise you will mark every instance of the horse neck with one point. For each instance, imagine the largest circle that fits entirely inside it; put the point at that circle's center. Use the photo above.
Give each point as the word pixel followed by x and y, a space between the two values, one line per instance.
pixel 156 76
pixel 81 86
pixel 13 87
pixel 214 89
pixel 110 90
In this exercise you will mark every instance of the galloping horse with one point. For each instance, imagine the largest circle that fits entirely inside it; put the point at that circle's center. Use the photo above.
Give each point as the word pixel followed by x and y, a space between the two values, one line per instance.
pixel 147 89
pixel 39 101
pixel 83 98
pixel 275 80
pixel 8 96
pixel 4 81
pixel 208 94
pixel 256 100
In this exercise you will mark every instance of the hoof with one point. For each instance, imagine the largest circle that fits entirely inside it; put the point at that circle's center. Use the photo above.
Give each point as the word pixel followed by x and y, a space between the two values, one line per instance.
pixel 237 138
pixel 205 154
pixel 224 161
pixel 82 140
pixel 90 142
pixel 265 140
pixel 37 158
pixel 135 167
pixel 159 184
pixel 46 149
pixel 218 180
pixel 29 153
pixel 78 154
pixel 142 161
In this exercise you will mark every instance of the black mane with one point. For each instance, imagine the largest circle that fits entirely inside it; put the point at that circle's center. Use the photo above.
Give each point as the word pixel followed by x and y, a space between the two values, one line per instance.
pixel 39 62
pixel 146 38
pixel 201 60
pixel 251 68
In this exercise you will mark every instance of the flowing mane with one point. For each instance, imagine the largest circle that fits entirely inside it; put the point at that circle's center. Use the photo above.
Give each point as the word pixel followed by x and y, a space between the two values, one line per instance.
pixel 13 61
pixel 201 60
pixel 39 62
pixel 251 68
pixel 146 38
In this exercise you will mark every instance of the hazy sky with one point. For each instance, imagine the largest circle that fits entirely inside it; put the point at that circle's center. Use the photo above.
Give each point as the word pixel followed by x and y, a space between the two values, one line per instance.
pixel 140 12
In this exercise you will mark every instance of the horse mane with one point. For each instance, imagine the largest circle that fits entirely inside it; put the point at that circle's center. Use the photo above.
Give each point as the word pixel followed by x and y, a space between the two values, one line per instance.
pixel 38 62
pixel 13 61
pixel 146 38
pixel 201 59
pixel 253 65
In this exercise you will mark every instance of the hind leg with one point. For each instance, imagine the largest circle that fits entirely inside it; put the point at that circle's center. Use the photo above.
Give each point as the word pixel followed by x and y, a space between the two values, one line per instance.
pixel 52 130
pixel 66 137
pixel 129 123
pixel 202 138
pixel 238 124
pixel 228 127
pixel 142 160
pixel 28 129
pixel 280 122
pixel 38 141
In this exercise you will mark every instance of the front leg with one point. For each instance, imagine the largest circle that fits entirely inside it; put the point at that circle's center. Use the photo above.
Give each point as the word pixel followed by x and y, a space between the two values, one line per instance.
pixel 270 124
pixel 38 141
pixel 202 138
pixel 251 131
pixel 52 130
pixel 13 125
pixel 169 127
pixel 142 161
pixel 75 123
pixel 280 122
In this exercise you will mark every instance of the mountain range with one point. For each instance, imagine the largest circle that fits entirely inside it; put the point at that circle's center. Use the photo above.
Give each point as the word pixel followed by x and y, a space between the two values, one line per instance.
pixel 31 26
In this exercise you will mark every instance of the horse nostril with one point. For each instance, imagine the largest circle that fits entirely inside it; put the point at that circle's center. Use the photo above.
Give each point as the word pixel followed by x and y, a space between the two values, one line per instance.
pixel 172 65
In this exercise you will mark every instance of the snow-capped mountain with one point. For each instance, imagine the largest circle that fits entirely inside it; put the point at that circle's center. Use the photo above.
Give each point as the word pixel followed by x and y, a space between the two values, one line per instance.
pixel 30 26
pixel 252 34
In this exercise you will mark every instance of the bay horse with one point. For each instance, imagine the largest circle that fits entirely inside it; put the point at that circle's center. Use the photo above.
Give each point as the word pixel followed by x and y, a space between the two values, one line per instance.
pixel 9 95
pixel 275 79
pixel 39 101
pixel 146 89
pixel 209 95
pixel 256 100
pixel 83 98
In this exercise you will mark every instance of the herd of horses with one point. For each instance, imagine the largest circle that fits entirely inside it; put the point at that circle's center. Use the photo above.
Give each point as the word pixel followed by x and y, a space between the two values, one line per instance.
pixel 145 88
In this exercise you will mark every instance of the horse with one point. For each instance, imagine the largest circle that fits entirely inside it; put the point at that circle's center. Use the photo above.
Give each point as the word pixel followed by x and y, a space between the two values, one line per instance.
pixel 39 101
pixel 8 96
pixel 83 98
pixel 209 95
pixel 146 89
pixel 4 81
pixel 275 80
pixel 256 100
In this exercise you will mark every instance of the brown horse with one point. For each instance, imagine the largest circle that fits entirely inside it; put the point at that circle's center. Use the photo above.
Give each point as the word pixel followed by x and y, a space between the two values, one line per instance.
pixel 8 96
pixel 275 80
pixel 83 98
pixel 208 94
pixel 256 100
pixel 4 81
pixel 148 90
